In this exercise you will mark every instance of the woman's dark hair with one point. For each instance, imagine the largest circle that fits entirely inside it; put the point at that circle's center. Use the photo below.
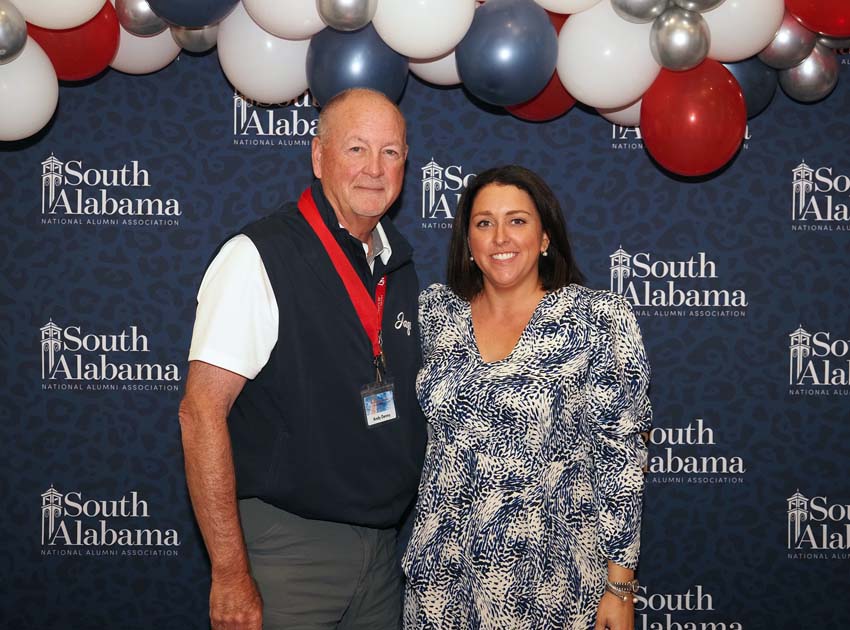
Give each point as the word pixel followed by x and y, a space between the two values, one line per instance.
pixel 557 269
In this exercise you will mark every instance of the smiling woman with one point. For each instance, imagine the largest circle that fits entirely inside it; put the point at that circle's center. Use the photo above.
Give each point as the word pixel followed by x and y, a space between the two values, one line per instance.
pixel 535 388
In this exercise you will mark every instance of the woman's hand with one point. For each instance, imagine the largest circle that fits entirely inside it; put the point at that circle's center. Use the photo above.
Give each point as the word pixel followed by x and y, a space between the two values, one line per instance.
pixel 615 614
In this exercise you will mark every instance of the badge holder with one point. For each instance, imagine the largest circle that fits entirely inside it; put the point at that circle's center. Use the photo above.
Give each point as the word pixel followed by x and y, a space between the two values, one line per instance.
pixel 378 398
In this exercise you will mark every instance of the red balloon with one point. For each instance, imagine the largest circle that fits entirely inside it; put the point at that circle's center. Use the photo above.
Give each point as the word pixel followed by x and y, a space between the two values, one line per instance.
pixel 828 17
pixel 557 20
pixel 553 100
pixel 693 122
pixel 83 51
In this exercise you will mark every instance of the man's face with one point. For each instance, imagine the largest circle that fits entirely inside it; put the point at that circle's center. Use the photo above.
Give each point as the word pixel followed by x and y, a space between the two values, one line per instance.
pixel 360 158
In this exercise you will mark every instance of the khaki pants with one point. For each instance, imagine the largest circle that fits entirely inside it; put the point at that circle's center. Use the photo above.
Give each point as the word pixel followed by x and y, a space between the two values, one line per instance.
pixel 319 575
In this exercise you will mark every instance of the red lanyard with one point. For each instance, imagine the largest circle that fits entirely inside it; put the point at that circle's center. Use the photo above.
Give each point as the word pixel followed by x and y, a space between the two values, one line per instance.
pixel 370 312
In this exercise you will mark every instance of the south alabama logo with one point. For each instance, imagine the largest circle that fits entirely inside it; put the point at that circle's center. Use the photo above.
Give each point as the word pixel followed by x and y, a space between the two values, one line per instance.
pixel 646 282
pixel 817 527
pixel 293 124
pixel 70 521
pixel 71 354
pixel 818 360
pixel 72 192
pixel 441 191
pixel 820 199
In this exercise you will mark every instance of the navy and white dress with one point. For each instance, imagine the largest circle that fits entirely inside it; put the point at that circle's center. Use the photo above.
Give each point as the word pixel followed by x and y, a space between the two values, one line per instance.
pixel 533 474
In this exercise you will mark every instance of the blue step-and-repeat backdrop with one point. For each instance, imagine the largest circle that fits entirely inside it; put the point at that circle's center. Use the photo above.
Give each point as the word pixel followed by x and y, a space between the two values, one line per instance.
pixel 741 283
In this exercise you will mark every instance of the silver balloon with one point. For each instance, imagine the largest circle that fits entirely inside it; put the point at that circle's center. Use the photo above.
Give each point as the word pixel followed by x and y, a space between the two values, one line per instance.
pixel 196 40
pixel 346 15
pixel 814 78
pixel 679 39
pixel 698 5
pixel 13 32
pixel 834 42
pixel 792 43
pixel 138 18
pixel 639 11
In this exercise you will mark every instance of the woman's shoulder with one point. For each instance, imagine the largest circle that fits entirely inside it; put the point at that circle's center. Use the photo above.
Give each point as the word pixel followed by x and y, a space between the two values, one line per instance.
pixel 601 305
pixel 436 294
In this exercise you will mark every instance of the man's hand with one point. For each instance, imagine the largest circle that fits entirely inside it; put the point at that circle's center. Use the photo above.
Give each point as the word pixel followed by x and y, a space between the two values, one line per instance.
pixel 615 614
pixel 235 603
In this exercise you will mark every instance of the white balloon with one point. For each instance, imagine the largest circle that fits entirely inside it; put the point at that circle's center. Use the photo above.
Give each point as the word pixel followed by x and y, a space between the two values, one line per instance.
pixel 142 55
pixel 628 116
pixel 423 29
pixel 742 28
pixel 59 14
pixel 29 92
pixel 290 19
pixel 439 71
pixel 567 6
pixel 604 61
pixel 260 66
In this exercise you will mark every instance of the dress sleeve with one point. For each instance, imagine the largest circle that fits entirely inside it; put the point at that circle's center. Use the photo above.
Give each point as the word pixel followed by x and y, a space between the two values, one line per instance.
pixel 618 411
pixel 427 301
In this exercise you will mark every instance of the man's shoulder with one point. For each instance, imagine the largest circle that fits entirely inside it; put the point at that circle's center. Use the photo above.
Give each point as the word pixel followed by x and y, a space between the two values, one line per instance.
pixel 285 222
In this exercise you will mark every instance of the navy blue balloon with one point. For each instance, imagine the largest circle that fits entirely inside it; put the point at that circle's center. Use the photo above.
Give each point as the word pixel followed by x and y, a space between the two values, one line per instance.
pixel 509 53
pixel 758 83
pixel 338 60
pixel 192 13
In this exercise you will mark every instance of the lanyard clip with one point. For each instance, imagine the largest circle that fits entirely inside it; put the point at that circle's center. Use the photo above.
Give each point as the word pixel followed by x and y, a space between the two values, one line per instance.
pixel 380 364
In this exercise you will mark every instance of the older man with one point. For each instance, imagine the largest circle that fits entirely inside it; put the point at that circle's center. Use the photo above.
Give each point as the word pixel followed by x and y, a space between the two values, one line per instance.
pixel 302 436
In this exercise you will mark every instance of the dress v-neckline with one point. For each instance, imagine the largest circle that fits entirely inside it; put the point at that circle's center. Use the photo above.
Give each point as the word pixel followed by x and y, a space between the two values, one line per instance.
pixel 471 330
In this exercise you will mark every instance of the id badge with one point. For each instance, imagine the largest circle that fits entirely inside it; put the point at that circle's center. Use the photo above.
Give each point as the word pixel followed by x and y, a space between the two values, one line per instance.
pixel 378 402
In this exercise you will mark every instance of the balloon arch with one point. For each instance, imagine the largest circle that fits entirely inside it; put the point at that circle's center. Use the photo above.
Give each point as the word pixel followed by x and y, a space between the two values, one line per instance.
pixel 688 72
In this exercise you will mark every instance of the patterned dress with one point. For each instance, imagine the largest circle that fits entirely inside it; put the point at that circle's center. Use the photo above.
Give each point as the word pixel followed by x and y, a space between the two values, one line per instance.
pixel 533 474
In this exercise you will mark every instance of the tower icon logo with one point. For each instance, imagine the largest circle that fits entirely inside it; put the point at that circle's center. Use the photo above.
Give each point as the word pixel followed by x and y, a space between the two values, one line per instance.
pixel 51 513
pixel 51 347
pixel 621 269
pixel 802 185
pixel 800 349
pixel 52 176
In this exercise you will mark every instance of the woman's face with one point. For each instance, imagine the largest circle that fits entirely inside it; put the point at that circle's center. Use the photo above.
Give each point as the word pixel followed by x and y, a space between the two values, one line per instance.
pixel 506 236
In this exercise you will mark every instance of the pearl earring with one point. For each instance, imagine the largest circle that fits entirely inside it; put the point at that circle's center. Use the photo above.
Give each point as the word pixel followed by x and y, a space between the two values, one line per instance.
pixel 471 259
pixel 545 252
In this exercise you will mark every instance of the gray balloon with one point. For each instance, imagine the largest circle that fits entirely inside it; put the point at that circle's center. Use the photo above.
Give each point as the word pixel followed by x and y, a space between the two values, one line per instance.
pixel 13 32
pixel 639 11
pixel 138 18
pixel 792 43
pixel 813 79
pixel 679 39
pixel 834 42
pixel 698 5
pixel 346 15
pixel 196 40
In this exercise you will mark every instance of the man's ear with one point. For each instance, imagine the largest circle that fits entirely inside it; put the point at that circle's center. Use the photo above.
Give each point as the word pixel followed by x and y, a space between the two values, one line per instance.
pixel 316 154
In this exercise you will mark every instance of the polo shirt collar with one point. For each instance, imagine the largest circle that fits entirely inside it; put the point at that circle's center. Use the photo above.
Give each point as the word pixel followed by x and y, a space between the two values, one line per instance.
pixel 381 246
